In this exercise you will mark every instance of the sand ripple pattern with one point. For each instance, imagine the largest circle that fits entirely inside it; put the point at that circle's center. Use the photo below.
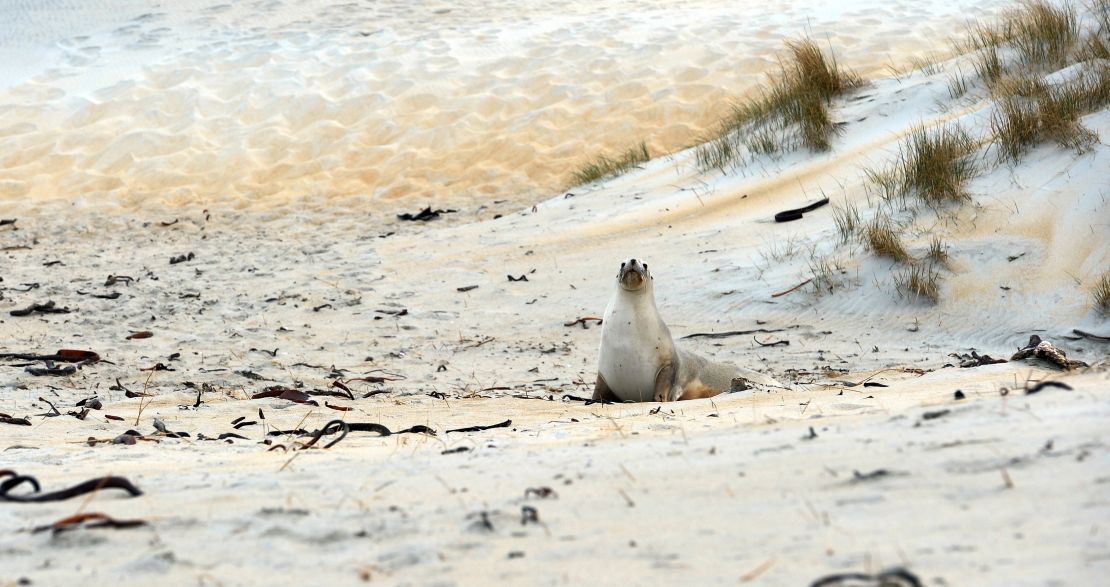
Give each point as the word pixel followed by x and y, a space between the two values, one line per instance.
pixel 331 105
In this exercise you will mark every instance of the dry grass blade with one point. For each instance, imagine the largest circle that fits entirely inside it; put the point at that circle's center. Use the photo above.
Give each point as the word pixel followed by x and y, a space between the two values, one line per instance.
pixel 719 152
pixel 1037 36
pixel 928 64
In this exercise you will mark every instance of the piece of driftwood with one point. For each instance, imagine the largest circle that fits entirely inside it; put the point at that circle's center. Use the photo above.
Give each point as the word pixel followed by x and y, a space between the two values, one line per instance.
pixel 1046 351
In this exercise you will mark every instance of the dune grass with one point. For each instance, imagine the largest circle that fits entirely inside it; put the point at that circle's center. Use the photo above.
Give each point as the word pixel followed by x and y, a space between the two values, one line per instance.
pixel 824 271
pixel 958 85
pixel 918 282
pixel 847 220
pixel 1034 37
pixel 1095 46
pixel 1030 112
pixel 604 166
pixel 1042 33
pixel 933 165
pixel 937 253
pixel 1017 59
pixel 880 239
pixel 791 111
pixel 1101 294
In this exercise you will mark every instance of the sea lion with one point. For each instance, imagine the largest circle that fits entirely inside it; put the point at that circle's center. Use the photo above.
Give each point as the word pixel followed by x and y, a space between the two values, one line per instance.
pixel 638 360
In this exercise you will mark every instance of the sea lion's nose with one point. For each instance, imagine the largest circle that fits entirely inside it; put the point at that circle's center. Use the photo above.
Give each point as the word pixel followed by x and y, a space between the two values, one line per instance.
pixel 632 261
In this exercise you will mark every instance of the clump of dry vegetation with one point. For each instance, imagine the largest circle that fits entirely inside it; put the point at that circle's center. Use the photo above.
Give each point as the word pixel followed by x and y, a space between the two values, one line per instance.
pixel 1038 33
pixel 792 110
pixel 933 164
pixel 1030 111
pixel 1101 294
pixel 880 238
pixel 918 282
pixel 824 270
pixel 1012 55
pixel 847 221
pixel 937 253
pixel 605 166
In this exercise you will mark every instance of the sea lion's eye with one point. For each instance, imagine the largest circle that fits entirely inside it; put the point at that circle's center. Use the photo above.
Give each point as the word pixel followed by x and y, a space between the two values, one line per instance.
pixel 645 266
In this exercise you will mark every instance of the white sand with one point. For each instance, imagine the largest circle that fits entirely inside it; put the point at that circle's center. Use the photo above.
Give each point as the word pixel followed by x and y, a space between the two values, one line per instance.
pixel 1003 489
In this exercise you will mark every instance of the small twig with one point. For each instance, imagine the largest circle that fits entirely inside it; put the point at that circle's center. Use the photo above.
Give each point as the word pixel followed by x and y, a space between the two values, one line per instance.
pixel 756 572
pixel 782 293
pixel 141 404
pixel 584 321
pixel 731 333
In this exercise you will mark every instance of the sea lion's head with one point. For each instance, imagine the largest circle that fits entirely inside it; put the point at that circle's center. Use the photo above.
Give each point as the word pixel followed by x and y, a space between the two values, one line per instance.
pixel 634 276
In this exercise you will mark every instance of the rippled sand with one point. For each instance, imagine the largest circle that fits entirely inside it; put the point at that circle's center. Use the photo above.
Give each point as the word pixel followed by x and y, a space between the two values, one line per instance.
pixel 363 106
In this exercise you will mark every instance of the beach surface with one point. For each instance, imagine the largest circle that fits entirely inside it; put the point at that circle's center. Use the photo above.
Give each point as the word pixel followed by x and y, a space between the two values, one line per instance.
pixel 208 194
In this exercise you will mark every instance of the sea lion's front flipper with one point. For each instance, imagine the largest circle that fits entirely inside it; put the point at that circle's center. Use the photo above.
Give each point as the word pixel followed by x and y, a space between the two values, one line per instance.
pixel 664 382
pixel 602 391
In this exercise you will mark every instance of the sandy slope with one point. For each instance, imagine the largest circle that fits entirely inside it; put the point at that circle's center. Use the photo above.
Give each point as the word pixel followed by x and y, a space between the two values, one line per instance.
pixel 999 488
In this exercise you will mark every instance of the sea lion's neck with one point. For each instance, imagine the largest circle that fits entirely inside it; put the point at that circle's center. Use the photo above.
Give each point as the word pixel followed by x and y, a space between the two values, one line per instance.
pixel 639 302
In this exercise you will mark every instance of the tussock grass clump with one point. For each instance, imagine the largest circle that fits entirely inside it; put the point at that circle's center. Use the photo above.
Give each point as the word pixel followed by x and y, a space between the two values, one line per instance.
pixel 604 166
pixel 792 110
pixel 812 72
pixel 1101 294
pixel 918 282
pixel 880 238
pixel 1036 36
pixel 933 165
pixel 957 85
pixel 937 253
pixel 1031 112
pixel 988 66
pixel 1043 34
